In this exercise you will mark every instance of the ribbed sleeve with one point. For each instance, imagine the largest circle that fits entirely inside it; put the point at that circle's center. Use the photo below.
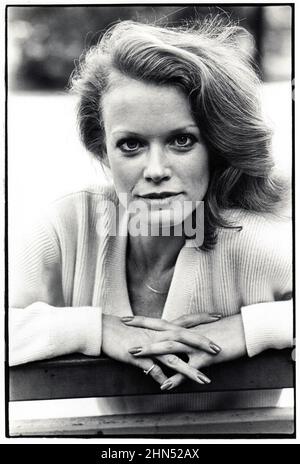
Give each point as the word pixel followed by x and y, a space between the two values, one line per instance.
pixel 268 325
pixel 41 331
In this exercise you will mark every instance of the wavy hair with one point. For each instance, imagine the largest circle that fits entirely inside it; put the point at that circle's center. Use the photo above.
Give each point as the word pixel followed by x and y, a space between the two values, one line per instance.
pixel 206 61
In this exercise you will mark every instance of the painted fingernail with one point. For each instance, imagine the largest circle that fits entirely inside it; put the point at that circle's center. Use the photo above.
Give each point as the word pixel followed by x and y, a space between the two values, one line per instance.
pixel 203 378
pixel 199 380
pixel 127 319
pixel 214 348
pixel 215 315
pixel 167 385
pixel 135 350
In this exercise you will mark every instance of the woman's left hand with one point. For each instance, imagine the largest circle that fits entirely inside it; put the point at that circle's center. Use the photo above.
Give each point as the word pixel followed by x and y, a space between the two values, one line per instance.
pixel 228 333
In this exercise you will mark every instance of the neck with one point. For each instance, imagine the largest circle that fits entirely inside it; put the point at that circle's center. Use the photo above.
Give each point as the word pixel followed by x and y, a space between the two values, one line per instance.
pixel 155 252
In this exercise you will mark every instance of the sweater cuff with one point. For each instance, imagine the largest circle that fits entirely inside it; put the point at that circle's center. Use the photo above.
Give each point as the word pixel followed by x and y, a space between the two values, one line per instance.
pixel 77 330
pixel 267 326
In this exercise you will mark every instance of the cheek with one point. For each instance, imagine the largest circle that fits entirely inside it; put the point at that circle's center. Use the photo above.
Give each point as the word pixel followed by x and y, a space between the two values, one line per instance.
pixel 197 171
pixel 124 175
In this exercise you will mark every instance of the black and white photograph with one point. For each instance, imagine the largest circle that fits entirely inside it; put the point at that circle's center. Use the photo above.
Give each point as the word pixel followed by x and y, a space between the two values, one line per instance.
pixel 150 222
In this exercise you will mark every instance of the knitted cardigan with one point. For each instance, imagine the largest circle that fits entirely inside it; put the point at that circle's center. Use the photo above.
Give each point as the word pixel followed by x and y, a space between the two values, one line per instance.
pixel 71 267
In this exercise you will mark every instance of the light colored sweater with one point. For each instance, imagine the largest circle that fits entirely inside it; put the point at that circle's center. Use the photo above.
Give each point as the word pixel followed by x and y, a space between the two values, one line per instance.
pixel 70 268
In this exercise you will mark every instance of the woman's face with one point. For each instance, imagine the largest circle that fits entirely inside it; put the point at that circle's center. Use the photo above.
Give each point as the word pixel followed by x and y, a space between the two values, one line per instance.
pixel 154 149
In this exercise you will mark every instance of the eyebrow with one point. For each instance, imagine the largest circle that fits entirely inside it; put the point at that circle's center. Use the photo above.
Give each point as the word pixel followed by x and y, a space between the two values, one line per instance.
pixel 172 132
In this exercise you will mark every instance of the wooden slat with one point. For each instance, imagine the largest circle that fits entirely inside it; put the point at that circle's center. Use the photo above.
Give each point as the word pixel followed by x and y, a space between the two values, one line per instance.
pixel 79 376
pixel 244 421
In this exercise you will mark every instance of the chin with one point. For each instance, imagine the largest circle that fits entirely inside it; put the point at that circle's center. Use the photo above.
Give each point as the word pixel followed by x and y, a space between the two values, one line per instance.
pixel 165 222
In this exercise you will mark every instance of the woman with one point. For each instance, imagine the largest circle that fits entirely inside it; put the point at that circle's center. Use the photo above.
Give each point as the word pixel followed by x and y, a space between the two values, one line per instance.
pixel 174 114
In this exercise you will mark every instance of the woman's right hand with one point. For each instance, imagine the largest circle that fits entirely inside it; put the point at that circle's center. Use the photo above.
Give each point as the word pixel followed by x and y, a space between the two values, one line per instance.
pixel 118 337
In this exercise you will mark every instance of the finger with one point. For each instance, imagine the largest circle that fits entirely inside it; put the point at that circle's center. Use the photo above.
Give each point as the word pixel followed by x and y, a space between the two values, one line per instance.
pixel 191 320
pixel 178 379
pixel 156 372
pixel 174 362
pixel 160 348
pixel 173 382
pixel 189 337
pixel 148 323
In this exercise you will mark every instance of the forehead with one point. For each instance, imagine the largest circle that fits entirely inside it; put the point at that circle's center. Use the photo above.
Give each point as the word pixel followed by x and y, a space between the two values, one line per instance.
pixel 145 106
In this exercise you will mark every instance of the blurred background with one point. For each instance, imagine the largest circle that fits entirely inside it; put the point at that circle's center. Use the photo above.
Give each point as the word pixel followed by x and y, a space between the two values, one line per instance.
pixel 45 156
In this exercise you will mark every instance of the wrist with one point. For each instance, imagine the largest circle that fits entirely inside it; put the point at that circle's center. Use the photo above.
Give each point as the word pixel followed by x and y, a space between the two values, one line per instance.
pixel 229 334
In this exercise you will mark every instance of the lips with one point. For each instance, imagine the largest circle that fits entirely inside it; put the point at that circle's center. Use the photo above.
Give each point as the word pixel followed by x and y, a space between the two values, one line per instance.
pixel 159 195
pixel 160 200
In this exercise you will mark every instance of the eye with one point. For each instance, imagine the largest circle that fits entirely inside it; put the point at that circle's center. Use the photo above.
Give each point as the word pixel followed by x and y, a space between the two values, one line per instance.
pixel 129 145
pixel 183 141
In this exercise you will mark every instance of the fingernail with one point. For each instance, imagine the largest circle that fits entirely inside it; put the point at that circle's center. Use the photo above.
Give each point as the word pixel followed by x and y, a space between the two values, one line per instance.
pixel 136 350
pixel 167 385
pixel 203 378
pixel 215 315
pixel 199 380
pixel 214 348
pixel 127 319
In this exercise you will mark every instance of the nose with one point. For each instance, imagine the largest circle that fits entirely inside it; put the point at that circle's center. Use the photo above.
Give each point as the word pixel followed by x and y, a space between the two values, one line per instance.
pixel 157 168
